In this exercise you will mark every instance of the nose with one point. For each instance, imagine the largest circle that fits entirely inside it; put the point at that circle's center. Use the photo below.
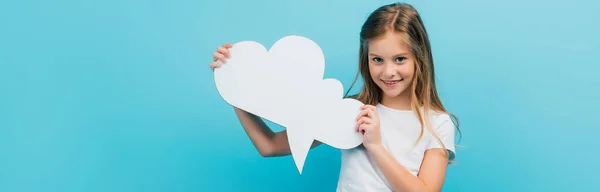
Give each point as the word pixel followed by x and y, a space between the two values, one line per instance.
pixel 389 70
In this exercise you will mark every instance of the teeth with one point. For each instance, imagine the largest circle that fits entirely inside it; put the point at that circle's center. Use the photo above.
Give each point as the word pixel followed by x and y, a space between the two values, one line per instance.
pixel 390 82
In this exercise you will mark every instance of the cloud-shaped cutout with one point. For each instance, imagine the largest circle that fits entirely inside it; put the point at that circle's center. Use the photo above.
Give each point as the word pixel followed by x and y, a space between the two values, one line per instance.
pixel 285 85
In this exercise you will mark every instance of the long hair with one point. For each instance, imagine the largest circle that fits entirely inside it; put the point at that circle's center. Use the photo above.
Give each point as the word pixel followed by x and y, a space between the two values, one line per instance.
pixel 403 18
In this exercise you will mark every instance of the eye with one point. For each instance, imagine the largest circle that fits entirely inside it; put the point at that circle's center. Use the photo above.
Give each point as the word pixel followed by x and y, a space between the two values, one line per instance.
pixel 377 59
pixel 400 59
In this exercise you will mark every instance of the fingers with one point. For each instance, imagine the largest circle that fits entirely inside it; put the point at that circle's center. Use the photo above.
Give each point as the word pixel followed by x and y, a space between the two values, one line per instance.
pixel 364 128
pixel 371 113
pixel 364 116
pixel 367 111
pixel 368 107
pixel 224 51
pixel 363 120
pixel 214 65
pixel 218 56
pixel 371 107
pixel 366 120
pixel 221 54
pixel 361 114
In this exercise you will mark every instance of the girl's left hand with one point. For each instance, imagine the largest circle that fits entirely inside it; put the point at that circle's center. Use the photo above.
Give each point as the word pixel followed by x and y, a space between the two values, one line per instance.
pixel 367 123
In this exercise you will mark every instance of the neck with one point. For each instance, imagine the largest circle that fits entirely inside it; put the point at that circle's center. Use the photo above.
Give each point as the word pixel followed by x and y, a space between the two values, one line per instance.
pixel 400 102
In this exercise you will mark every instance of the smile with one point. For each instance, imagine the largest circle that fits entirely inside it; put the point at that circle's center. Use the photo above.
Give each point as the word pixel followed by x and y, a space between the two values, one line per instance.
pixel 391 83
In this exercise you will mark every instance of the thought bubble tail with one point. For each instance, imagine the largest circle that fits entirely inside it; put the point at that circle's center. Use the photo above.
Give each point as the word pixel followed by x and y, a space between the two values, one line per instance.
pixel 300 144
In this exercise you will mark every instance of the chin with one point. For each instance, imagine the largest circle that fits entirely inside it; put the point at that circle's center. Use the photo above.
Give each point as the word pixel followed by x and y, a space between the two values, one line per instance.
pixel 392 93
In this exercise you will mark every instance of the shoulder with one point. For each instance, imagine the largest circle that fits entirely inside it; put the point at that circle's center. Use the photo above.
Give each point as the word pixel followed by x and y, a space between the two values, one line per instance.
pixel 439 118
pixel 444 128
pixel 442 123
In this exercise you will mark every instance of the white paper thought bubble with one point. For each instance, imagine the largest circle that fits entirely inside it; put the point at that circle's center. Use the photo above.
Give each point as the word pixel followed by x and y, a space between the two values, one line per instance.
pixel 285 85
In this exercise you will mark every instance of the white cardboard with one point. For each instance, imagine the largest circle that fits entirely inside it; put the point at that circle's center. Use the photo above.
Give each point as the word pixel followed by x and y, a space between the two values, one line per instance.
pixel 285 85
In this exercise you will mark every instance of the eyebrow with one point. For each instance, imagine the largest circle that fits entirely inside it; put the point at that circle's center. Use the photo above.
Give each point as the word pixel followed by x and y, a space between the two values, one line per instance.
pixel 399 54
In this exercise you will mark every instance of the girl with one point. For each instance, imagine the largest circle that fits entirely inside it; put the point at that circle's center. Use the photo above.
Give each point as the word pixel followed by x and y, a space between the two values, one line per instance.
pixel 408 136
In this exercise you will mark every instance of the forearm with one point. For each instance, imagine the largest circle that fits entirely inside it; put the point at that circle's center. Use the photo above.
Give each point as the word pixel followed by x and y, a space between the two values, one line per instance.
pixel 268 143
pixel 258 132
pixel 400 178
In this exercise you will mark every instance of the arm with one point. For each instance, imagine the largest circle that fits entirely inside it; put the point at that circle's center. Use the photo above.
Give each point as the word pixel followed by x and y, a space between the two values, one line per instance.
pixel 433 168
pixel 430 177
pixel 268 143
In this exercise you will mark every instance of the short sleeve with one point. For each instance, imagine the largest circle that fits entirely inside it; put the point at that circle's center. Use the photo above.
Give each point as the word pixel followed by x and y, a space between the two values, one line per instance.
pixel 445 130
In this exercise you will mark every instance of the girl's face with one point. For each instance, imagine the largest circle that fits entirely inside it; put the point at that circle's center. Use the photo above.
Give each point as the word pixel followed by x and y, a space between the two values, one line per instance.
pixel 391 65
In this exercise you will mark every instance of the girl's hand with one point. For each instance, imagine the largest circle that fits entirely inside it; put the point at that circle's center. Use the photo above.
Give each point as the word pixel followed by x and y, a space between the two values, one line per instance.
pixel 220 55
pixel 368 124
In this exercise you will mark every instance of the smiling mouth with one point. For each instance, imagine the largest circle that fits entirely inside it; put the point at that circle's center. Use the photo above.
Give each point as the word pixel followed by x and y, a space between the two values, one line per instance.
pixel 391 82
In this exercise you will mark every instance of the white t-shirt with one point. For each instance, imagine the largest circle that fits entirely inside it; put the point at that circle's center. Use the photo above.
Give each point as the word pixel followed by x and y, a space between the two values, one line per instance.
pixel 399 131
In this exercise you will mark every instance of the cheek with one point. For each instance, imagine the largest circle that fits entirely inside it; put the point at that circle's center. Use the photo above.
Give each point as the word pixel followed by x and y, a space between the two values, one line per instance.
pixel 407 71
pixel 374 71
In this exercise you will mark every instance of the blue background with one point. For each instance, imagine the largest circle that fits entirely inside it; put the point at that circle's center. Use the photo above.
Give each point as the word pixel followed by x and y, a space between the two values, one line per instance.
pixel 118 96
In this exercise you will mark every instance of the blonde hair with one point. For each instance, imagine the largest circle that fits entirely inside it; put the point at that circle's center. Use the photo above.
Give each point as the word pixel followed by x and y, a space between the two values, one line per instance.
pixel 403 18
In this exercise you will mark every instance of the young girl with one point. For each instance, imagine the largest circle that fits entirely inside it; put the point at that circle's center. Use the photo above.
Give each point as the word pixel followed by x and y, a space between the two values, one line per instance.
pixel 408 136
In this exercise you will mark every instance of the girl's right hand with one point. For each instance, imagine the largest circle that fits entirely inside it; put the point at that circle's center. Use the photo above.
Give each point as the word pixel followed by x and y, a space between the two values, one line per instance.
pixel 220 55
